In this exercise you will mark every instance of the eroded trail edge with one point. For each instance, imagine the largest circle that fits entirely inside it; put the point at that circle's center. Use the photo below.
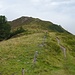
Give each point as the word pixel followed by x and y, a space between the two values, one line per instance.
pixel 62 47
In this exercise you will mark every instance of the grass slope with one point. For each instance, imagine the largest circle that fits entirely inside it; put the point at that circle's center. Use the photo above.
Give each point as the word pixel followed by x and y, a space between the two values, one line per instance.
pixel 33 24
pixel 40 36
pixel 18 53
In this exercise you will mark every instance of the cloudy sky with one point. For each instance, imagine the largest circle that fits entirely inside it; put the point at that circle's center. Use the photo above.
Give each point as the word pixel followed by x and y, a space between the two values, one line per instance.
pixel 61 12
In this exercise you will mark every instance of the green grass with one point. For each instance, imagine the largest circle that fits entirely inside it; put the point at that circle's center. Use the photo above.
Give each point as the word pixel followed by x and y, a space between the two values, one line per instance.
pixel 18 53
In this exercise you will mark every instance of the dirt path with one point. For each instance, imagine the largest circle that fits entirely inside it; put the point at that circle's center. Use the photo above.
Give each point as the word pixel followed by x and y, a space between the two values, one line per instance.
pixel 43 41
pixel 62 47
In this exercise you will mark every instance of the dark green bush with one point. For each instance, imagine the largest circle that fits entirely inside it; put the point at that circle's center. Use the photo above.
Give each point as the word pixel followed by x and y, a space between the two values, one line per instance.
pixel 19 30
pixel 4 28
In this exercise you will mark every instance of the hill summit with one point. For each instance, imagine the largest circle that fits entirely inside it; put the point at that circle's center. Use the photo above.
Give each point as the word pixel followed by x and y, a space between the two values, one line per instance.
pixel 35 23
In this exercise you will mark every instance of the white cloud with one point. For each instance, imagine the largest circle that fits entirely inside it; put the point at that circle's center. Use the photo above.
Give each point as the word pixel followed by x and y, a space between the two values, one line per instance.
pixel 58 11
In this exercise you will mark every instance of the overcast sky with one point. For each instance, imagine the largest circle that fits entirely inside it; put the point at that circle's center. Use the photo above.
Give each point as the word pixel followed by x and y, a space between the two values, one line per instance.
pixel 61 12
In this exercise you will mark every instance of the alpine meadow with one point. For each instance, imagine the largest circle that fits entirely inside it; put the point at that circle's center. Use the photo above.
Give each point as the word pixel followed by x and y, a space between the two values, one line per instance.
pixel 37 47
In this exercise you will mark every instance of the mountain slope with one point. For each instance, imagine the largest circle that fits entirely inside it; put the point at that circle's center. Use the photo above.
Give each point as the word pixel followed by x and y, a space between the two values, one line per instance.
pixel 39 53
pixel 35 23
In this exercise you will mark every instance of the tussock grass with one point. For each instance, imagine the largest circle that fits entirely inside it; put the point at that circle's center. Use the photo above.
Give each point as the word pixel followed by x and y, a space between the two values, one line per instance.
pixel 18 53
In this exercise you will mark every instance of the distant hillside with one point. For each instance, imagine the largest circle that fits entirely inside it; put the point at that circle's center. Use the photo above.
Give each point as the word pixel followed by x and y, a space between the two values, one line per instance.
pixel 35 23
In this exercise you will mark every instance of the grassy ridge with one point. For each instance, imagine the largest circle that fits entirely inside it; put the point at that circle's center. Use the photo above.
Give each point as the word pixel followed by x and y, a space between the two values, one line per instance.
pixel 18 53
pixel 40 36
pixel 35 23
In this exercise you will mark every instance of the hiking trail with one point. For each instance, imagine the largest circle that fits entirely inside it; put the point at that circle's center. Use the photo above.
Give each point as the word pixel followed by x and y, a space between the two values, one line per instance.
pixel 62 47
